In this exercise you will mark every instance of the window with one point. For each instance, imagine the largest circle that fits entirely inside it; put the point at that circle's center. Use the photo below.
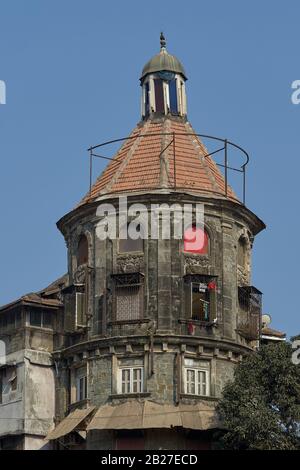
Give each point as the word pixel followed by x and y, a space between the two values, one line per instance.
pixel 200 297
pixel 147 101
pixel 10 320
pixel 130 380
pixel 36 318
pixel 196 241
pixel 159 95
pixel 249 320
pixel 173 96
pixel 82 251
pixel 196 377
pixel 200 301
pixel 81 383
pixel 128 297
pixel 8 383
pixel 41 319
pixel 128 302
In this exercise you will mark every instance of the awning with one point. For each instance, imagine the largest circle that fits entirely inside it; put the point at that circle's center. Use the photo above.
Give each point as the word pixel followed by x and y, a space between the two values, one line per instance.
pixel 150 415
pixel 68 424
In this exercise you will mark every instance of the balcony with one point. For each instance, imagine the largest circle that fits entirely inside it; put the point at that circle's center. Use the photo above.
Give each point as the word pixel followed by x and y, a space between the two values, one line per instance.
pixel 249 319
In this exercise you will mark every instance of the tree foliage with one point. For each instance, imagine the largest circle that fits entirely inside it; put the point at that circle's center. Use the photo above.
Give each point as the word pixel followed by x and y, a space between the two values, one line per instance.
pixel 260 409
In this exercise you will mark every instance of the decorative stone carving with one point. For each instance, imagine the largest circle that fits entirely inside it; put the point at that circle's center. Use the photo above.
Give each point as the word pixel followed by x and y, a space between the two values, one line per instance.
pixel 80 275
pixel 243 276
pixel 195 264
pixel 130 263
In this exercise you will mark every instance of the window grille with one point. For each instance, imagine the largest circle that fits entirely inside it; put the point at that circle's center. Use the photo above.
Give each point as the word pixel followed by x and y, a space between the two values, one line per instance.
pixel 128 303
pixel 128 297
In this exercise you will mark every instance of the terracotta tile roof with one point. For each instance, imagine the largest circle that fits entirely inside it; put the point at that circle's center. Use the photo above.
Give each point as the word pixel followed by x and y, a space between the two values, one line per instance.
pixel 144 163
pixel 271 332
pixel 32 298
pixel 46 297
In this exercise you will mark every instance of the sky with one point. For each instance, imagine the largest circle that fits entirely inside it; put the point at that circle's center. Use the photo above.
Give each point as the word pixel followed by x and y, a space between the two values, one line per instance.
pixel 72 69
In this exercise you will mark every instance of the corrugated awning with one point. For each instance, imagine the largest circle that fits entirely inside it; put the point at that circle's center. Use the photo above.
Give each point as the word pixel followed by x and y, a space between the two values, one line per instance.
pixel 150 415
pixel 68 424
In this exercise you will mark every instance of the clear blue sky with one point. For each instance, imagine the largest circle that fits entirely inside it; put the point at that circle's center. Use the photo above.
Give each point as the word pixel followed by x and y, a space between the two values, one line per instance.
pixel 71 69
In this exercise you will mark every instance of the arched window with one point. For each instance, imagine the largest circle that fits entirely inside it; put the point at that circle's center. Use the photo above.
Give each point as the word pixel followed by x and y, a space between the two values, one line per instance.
pixel 196 240
pixel 129 244
pixel 82 251
pixel 242 248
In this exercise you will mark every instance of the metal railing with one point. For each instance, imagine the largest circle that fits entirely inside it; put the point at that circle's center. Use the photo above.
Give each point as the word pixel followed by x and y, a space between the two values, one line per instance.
pixel 227 145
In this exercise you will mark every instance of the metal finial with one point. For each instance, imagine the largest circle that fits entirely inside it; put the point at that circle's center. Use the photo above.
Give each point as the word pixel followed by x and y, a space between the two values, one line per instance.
pixel 162 41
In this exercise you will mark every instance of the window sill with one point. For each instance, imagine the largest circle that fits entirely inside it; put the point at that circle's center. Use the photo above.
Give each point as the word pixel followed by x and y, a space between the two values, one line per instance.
pixel 129 395
pixel 129 322
pixel 79 404
pixel 197 322
pixel 125 254
pixel 40 328
pixel 198 397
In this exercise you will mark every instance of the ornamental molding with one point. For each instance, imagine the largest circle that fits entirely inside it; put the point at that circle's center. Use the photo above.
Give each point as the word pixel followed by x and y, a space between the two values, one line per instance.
pixel 130 263
pixel 196 260
pixel 80 274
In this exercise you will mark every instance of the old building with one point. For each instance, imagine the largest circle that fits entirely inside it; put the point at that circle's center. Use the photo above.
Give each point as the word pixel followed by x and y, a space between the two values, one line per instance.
pixel 27 384
pixel 144 332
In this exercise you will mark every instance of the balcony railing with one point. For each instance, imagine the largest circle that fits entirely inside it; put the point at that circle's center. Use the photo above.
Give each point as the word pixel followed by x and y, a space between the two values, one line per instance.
pixel 249 323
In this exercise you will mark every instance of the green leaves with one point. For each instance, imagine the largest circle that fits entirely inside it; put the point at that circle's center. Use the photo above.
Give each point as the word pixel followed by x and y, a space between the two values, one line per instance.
pixel 261 407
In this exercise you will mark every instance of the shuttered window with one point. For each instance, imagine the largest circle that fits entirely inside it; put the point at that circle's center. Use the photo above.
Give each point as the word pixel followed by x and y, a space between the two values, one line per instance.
pixel 196 377
pixel 130 380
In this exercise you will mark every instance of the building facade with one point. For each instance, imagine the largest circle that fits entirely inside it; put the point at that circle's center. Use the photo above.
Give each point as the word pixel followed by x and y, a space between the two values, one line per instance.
pixel 145 331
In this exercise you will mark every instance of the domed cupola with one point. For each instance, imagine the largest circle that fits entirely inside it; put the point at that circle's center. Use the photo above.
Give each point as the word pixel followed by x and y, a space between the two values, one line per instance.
pixel 163 85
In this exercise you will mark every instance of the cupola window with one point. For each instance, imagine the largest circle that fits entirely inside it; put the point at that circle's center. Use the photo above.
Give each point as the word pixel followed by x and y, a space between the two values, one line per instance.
pixel 159 95
pixel 173 96
pixel 162 83
pixel 147 101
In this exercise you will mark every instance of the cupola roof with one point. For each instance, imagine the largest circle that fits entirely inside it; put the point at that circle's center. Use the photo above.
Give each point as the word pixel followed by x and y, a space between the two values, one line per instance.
pixel 163 61
pixel 161 155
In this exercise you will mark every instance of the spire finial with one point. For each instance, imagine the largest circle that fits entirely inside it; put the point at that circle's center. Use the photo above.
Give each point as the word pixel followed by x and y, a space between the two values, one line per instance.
pixel 162 41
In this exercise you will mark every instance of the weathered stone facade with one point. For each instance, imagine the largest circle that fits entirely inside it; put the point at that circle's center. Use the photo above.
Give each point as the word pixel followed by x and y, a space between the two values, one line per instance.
pixel 157 323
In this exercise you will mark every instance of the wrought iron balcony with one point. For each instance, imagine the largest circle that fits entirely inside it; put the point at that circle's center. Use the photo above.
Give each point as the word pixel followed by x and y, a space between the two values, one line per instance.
pixel 249 319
